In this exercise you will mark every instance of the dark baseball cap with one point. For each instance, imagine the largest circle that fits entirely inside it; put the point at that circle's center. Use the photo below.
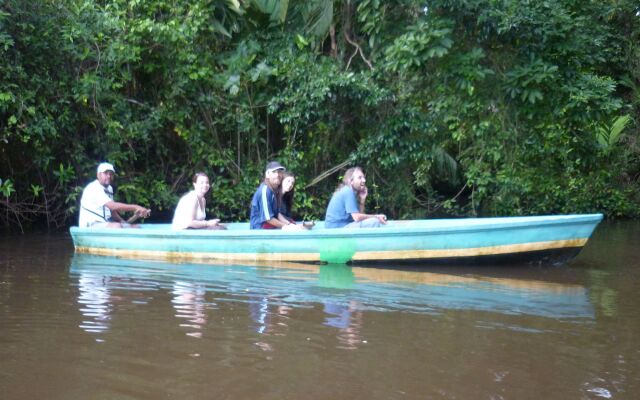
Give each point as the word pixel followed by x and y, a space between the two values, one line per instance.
pixel 274 166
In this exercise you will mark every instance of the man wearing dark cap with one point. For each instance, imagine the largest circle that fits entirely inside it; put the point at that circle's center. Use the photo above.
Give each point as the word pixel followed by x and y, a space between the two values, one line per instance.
pixel 97 208
pixel 264 206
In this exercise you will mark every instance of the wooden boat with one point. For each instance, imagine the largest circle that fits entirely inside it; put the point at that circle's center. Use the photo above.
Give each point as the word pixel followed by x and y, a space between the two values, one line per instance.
pixel 443 240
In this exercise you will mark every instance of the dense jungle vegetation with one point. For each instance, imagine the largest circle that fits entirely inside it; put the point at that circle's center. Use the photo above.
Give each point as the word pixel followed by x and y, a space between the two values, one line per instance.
pixel 453 107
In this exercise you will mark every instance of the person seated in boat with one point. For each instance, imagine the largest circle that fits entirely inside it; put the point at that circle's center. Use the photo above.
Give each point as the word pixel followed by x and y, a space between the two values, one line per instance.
pixel 265 210
pixel 97 208
pixel 287 190
pixel 286 193
pixel 191 210
pixel 346 207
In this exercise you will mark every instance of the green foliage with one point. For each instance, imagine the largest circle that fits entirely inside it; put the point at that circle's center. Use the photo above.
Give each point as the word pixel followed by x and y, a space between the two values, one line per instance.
pixel 419 45
pixel 6 187
pixel 608 136
pixel 460 107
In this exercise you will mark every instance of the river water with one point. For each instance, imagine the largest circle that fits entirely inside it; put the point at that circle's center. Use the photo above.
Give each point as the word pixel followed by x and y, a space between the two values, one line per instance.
pixel 88 327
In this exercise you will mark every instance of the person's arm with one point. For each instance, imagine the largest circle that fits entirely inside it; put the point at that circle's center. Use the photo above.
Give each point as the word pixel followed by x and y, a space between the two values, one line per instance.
pixel 288 225
pixel 193 222
pixel 198 224
pixel 362 197
pixel 357 217
pixel 269 209
pixel 284 219
pixel 115 217
pixel 203 224
pixel 361 216
pixel 185 215
pixel 277 222
pixel 117 207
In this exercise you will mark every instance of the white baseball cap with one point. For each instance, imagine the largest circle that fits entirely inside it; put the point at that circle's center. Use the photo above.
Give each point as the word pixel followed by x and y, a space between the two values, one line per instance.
pixel 105 166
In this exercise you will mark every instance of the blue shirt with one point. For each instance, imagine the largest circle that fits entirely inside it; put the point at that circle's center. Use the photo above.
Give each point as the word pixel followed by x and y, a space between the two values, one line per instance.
pixel 342 204
pixel 263 206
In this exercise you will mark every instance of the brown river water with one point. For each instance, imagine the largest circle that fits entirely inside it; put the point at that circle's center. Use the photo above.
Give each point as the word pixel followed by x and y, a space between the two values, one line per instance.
pixel 87 327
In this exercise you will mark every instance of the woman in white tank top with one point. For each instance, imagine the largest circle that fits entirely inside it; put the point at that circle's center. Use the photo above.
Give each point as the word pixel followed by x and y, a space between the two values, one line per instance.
pixel 191 210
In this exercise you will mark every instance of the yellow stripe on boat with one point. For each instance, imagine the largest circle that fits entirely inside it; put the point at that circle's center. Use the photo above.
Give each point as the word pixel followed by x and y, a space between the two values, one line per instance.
pixel 358 256
pixel 471 252
pixel 174 255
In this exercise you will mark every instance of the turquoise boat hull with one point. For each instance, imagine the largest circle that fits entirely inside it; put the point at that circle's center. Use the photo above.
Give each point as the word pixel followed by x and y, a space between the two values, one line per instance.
pixel 444 240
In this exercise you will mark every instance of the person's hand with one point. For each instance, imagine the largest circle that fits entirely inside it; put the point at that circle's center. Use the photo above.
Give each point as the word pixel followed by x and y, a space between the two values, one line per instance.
pixel 292 227
pixel 142 212
pixel 382 218
pixel 362 194
pixel 213 222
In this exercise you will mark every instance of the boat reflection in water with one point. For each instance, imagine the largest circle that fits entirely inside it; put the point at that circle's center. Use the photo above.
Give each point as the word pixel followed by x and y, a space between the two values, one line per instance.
pixel 190 305
pixel 95 302
pixel 344 293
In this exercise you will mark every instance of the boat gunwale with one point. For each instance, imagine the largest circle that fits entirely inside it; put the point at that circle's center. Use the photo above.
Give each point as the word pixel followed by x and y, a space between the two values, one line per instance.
pixel 401 230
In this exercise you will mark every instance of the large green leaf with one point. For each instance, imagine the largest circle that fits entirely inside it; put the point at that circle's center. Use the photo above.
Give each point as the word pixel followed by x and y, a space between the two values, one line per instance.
pixel 608 136
pixel 276 9
pixel 318 16
pixel 617 127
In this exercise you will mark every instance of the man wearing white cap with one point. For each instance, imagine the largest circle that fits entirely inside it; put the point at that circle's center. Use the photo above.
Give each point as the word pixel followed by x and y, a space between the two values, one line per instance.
pixel 97 208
